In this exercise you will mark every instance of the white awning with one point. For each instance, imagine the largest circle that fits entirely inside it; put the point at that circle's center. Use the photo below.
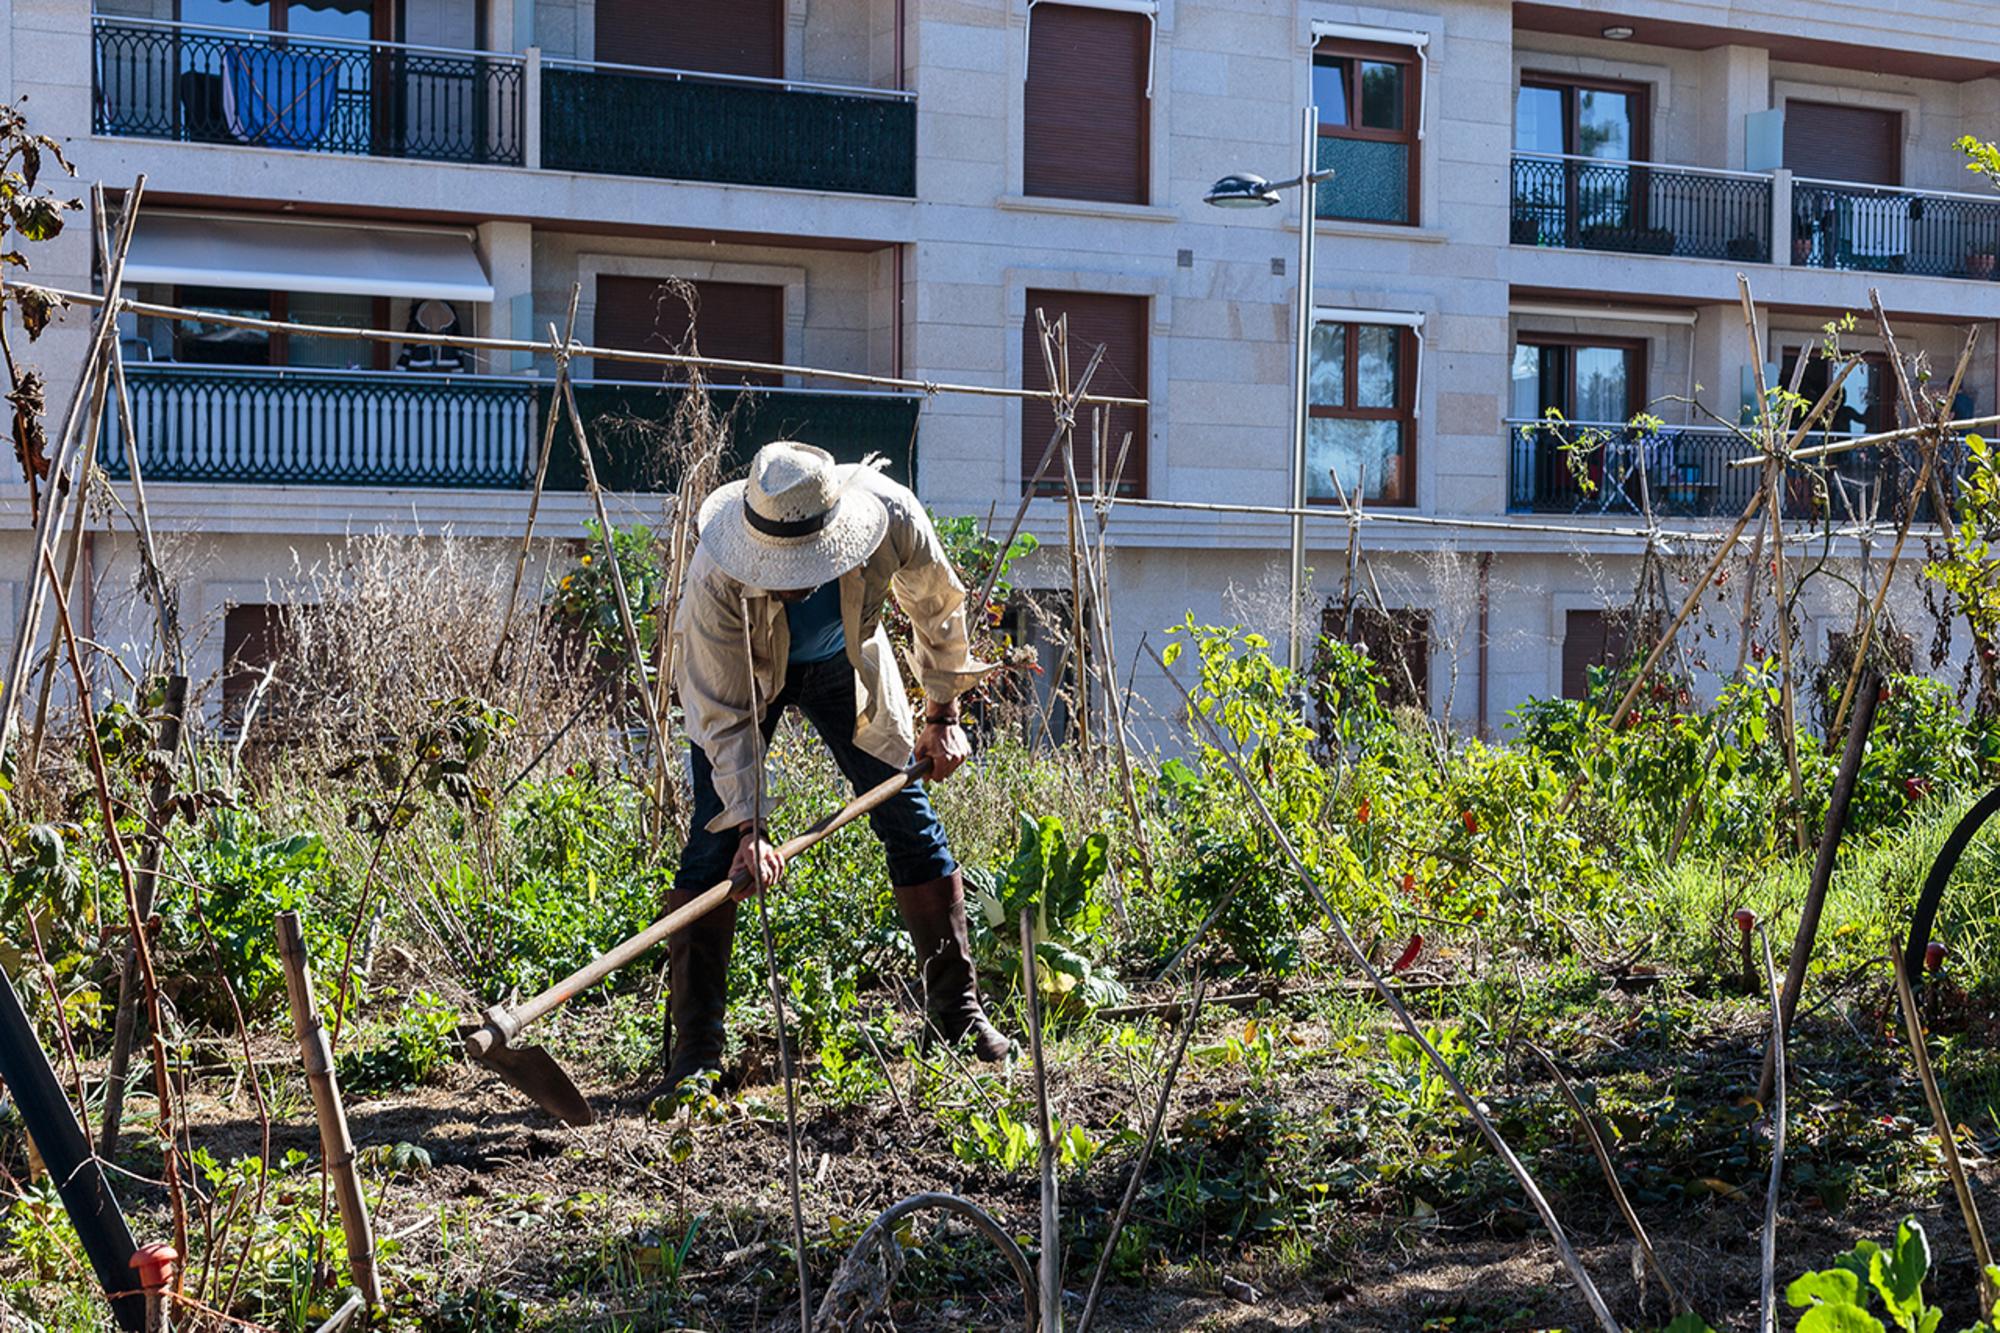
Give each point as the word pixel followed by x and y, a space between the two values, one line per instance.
pixel 349 258
pixel 1360 32
pixel 1327 314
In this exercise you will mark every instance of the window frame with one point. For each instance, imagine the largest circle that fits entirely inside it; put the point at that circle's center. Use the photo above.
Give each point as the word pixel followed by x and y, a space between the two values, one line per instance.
pixel 1638 350
pixel 1352 54
pixel 1569 85
pixel 1404 412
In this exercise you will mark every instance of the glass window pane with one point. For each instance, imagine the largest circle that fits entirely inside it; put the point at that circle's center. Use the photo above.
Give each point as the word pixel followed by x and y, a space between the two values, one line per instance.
pixel 1526 401
pixel 1368 454
pixel 1377 365
pixel 1604 123
pixel 223 344
pixel 351 312
pixel 1330 91
pixel 1381 95
pixel 1603 384
pixel 1328 381
pixel 1538 120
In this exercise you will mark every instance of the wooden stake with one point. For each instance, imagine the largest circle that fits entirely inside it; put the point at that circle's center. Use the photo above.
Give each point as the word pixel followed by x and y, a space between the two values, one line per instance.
pixel 1050 1267
pixel 336 1146
pixel 561 353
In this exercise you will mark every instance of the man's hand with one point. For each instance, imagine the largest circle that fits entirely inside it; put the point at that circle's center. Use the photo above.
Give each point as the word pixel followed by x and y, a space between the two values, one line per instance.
pixel 753 855
pixel 946 746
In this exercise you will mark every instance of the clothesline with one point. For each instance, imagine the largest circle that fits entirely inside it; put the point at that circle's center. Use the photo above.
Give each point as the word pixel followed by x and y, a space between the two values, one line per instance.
pixel 573 350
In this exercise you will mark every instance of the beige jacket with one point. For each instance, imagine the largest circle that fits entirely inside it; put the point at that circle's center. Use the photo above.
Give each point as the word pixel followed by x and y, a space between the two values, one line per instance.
pixel 715 687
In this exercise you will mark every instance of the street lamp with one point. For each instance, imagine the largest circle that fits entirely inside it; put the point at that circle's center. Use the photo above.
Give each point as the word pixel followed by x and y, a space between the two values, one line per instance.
pixel 1245 190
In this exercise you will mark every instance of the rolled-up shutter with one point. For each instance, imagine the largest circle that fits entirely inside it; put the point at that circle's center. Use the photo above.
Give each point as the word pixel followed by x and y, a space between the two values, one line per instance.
pixel 1590 639
pixel 1086 126
pixel 1120 324
pixel 739 321
pixel 735 37
pixel 1827 141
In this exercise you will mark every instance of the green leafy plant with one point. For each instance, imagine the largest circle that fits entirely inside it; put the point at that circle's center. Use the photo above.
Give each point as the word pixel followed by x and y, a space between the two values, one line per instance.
pixel 1054 885
pixel 410 1053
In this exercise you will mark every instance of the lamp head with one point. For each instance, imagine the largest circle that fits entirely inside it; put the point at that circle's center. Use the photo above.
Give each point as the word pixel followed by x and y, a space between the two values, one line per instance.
pixel 1241 191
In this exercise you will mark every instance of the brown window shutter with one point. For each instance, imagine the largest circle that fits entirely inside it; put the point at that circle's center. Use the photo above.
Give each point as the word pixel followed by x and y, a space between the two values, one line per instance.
pixel 1826 141
pixel 1120 324
pixel 253 638
pixel 736 37
pixel 739 321
pixel 1591 639
pixel 1086 128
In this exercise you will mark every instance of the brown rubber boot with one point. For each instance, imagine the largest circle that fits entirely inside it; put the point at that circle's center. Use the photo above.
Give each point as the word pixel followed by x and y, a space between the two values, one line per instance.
pixel 698 990
pixel 935 916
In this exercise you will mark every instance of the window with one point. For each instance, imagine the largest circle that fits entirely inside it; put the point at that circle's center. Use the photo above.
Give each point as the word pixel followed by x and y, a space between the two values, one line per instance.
pixel 1086 129
pixel 1120 324
pixel 1867 401
pixel 1602 382
pixel 738 321
pixel 1368 114
pixel 254 637
pixel 1591 639
pixel 218 344
pixel 1567 119
pixel 740 37
pixel 1361 423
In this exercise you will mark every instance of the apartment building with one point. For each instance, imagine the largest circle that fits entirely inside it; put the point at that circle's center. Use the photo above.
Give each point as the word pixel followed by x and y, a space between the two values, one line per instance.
pixel 1535 207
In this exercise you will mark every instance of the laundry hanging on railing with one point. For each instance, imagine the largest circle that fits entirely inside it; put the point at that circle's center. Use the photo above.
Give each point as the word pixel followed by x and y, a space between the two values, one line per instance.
pixel 1877 227
pixel 278 99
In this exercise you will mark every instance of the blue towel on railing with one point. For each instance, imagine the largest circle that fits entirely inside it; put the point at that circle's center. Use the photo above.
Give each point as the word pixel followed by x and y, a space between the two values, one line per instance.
pixel 278 98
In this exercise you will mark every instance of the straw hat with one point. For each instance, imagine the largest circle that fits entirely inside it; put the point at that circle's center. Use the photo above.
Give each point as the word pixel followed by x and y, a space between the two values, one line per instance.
pixel 796 522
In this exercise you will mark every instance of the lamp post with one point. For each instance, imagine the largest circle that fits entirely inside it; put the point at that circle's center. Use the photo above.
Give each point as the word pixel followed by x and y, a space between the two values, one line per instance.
pixel 1248 191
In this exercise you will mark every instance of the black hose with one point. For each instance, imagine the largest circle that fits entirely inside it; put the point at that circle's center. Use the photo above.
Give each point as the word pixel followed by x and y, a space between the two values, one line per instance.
pixel 1925 917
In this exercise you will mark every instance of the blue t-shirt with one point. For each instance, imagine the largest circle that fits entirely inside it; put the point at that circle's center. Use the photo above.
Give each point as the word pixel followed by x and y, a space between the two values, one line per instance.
pixel 817 635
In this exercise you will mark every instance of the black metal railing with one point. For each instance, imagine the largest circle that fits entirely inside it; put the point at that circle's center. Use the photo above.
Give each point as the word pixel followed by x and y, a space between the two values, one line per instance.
pixel 1685 472
pixel 221 85
pixel 743 132
pixel 1578 203
pixel 1886 230
pixel 390 428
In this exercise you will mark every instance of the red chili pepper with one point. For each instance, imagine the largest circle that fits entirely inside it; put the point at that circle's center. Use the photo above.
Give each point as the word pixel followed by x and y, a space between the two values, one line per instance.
pixel 1916 788
pixel 1409 884
pixel 1361 815
pixel 1471 821
pixel 1410 952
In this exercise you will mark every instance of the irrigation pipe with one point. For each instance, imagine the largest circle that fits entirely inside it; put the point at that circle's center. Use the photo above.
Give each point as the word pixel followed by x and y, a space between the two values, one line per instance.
pixel 572 350
pixel 1564 1251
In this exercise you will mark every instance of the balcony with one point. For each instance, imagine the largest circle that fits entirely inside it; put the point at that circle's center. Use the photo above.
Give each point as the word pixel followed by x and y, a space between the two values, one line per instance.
pixel 681 125
pixel 258 89
pixel 1613 470
pixel 323 95
pixel 1881 229
pixel 391 428
pixel 1580 203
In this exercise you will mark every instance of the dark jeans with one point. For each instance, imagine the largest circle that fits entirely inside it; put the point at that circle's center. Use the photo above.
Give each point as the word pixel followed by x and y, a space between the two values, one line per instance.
pixel 911 836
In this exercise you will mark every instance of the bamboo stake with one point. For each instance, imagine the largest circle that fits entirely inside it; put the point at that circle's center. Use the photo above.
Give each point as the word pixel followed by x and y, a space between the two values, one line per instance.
pixel 336 1145
pixel 1982 1254
pixel 1743 630
pixel 561 354
pixel 574 349
pixel 161 792
pixel 1049 1267
pixel 1767 1287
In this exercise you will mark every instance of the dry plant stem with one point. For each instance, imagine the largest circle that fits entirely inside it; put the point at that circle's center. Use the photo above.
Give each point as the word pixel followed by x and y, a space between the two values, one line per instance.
pixel 135 921
pixel 1743 628
pixel 160 792
pixel 1145 1156
pixel 1680 1302
pixel 678 359
pixel 882 1231
pixel 1961 1186
pixel 1409 1024
pixel 48 974
pixel 1788 723
pixel 78 499
pixel 1041 470
pixel 541 477
pixel 1767 1284
pixel 361 908
pixel 336 1145
pixel 1050 1266
pixel 771 967
pixel 655 729
pixel 1822 875
pixel 47 522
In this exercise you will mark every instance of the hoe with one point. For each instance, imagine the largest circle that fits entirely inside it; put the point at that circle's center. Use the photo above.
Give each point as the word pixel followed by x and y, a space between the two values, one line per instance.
pixel 531 1070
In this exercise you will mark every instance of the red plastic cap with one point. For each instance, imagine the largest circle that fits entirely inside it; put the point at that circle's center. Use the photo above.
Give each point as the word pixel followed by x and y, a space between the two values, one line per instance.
pixel 1746 920
pixel 155 1265
pixel 1933 956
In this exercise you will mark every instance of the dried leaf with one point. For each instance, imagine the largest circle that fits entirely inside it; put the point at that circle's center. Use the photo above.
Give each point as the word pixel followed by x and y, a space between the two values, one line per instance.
pixel 31 444
pixel 37 305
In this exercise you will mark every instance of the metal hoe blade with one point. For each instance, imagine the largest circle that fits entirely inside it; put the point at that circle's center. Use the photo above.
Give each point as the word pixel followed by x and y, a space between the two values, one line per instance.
pixel 534 1073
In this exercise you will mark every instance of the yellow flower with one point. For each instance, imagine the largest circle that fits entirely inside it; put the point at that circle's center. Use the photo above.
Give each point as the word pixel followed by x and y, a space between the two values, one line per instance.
pixel 586 562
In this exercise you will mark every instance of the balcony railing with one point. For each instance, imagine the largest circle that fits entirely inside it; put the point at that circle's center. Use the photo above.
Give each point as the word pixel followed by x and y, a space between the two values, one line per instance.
pixel 1580 203
pixel 1683 472
pixel 682 125
pixel 392 428
pixel 1887 230
pixel 270 90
